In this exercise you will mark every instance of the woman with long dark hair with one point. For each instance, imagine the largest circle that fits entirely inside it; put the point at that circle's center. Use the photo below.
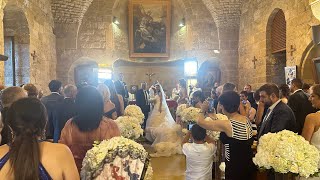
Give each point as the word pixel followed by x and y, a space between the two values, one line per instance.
pixel 115 98
pixel 27 156
pixel 89 125
pixel 183 93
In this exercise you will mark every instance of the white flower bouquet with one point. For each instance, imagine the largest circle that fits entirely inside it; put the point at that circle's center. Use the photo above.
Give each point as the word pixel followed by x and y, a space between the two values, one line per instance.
pixel 129 127
pixel 286 152
pixel 134 111
pixel 215 134
pixel 117 158
pixel 190 114
pixel 180 109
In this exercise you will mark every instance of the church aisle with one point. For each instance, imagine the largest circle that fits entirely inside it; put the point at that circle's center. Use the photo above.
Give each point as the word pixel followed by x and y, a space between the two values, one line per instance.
pixel 169 168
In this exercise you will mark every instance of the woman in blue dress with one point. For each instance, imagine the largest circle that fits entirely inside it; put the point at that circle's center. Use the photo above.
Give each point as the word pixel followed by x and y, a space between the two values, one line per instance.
pixel 27 156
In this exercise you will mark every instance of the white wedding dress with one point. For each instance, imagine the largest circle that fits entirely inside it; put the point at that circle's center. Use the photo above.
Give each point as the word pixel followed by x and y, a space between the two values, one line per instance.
pixel 162 130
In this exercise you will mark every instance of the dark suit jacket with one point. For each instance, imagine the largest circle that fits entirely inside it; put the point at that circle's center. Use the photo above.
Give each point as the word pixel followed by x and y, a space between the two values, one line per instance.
pixel 51 102
pixel 252 101
pixel 301 107
pixel 65 111
pixel 141 101
pixel 280 118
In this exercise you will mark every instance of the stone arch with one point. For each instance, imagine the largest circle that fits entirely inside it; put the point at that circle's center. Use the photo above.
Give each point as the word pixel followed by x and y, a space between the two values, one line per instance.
pixel 307 72
pixel 209 73
pixel 83 61
pixel 275 62
pixel 16 45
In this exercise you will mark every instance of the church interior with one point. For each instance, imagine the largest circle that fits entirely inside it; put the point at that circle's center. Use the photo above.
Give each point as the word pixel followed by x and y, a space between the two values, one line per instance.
pixel 202 41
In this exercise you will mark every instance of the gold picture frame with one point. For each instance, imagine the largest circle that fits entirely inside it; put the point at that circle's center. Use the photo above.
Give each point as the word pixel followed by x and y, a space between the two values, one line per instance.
pixel 149 28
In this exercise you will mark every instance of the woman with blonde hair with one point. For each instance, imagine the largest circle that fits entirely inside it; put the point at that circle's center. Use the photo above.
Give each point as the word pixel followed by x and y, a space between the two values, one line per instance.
pixel 110 110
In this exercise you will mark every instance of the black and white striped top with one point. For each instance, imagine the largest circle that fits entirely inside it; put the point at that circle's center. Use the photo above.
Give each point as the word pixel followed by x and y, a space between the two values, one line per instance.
pixel 238 152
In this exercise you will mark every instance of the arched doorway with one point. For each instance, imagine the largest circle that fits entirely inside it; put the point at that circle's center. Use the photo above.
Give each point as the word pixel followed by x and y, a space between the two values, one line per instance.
pixel 86 73
pixel 307 72
pixel 208 73
pixel 276 47
pixel 16 46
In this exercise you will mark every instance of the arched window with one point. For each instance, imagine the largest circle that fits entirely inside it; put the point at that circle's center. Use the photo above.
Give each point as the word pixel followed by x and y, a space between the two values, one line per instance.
pixel 278 33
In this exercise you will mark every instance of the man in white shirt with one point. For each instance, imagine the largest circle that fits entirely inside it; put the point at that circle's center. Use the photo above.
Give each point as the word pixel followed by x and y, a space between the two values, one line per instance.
pixel 199 154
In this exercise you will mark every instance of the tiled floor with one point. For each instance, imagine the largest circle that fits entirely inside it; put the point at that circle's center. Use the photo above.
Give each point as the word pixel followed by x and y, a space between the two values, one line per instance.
pixel 171 168
pixel 167 168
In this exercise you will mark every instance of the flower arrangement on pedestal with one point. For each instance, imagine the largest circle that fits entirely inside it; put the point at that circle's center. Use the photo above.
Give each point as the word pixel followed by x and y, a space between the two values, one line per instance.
pixel 129 127
pixel 134 111
pixel 287 152
pixel 116 158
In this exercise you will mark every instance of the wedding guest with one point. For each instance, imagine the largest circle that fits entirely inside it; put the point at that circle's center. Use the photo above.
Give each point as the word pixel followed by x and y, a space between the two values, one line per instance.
pixel 183 93
pixel 197 99
pixel 248 89
pixel 299 103
pixel 236 135
pixel 279 116
pixel 65 110
pixel 250 111
pixel 51 103
pixel 121 88
pixel 40 94
pixel 306 88
pixel 284 93
pixel 142 100
pixel 175 93
pixel 110 110
pixel 312 123
pixel 88 126
pixel 215 97
pixel 199 154
pixel 228 87
pixel 31 89
pixel 9 96
pixel 27 156
pixel 115 98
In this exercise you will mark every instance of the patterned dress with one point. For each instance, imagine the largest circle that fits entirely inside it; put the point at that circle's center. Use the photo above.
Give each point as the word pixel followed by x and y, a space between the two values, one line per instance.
pixel 238 152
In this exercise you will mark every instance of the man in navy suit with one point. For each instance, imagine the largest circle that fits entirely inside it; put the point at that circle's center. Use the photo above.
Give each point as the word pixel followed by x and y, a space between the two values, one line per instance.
pixel 51 103
pixel 142 100
pixel 279 116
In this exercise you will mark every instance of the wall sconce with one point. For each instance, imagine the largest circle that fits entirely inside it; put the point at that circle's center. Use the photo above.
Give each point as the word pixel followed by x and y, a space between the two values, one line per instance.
pixel 182 22
pixel 115 20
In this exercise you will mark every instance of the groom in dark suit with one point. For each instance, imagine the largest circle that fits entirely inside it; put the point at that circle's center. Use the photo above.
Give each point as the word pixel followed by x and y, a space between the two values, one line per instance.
pixel 142 100
pixel 279 116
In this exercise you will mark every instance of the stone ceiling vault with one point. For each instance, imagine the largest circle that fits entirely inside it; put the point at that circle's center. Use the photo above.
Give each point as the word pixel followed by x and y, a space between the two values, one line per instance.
pixel 69 11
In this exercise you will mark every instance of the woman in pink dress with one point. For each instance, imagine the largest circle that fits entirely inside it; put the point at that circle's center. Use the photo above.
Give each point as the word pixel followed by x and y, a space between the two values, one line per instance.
pixel 88 126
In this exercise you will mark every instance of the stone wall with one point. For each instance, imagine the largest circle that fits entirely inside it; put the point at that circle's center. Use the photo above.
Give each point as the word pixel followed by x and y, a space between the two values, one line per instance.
pixel 254 19
pixel 100 40
pixel 42 40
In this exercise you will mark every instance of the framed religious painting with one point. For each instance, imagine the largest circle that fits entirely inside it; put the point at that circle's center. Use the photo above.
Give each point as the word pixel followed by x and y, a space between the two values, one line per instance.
pixel 149 28
pixel 290 73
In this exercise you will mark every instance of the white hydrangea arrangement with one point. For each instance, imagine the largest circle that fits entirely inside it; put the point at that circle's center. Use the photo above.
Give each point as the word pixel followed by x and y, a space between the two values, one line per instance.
pixel 286 152
pixel 180 109
pixel 129 127
pixel 134 111
pixel 119 152
pixel 215 135
pixel 190 114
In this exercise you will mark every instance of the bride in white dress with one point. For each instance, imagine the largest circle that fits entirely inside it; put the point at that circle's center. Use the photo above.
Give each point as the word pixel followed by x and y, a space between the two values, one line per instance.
pixel 311 128
pixel 161 128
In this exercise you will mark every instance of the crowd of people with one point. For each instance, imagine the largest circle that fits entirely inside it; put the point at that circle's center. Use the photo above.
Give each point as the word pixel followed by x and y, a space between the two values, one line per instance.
pixel 72 118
